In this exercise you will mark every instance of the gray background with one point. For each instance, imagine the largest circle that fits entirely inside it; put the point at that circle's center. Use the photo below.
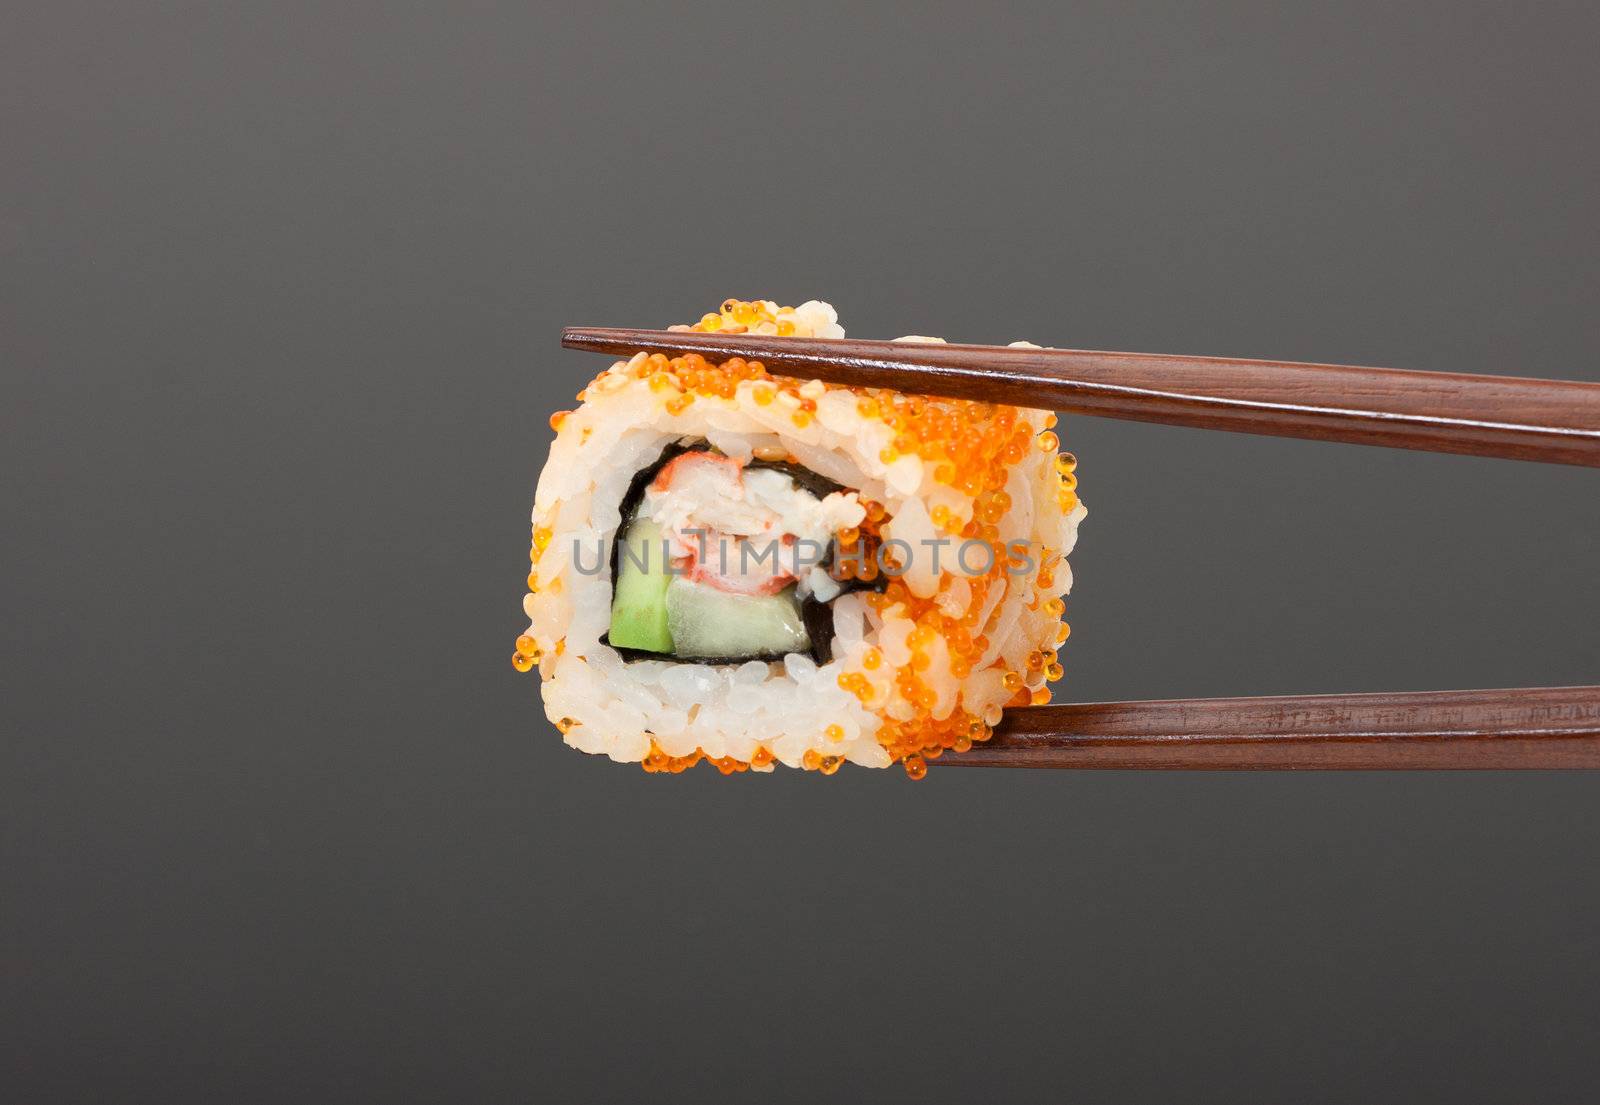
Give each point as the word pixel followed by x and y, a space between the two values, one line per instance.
pixel 282 286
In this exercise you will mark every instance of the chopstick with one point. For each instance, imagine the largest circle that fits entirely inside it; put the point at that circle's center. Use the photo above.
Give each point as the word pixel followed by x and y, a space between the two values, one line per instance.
pixel 1553 421
pixel 1522 728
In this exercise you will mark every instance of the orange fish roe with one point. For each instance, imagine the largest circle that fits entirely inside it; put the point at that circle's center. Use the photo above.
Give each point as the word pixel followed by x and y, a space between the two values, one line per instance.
pixel 973 446
pixel 658 761
pixel 757 316
pixel 691 375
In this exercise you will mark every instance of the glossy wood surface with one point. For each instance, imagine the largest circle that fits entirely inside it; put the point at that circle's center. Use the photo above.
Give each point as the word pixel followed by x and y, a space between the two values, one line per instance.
pixel 1552 421
pixel 1521 728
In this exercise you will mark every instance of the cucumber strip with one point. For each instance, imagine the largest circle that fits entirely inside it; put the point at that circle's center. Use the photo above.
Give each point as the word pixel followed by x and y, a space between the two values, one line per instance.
pixel 639 595
pixel 706 622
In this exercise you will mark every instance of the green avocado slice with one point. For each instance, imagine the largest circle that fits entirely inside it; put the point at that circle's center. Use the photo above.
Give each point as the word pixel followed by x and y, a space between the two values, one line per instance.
pixel 639 596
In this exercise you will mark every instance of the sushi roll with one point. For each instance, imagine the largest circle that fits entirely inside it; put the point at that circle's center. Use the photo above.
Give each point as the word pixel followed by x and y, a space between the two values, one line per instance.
pixel 750 570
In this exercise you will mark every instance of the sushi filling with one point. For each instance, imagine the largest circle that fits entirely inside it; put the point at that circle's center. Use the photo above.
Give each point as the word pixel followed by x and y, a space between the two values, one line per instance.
pixel 725 561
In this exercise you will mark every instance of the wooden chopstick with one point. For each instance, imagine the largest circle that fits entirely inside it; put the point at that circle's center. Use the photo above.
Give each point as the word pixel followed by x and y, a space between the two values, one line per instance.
pixel 1554 421
pixel 1522 728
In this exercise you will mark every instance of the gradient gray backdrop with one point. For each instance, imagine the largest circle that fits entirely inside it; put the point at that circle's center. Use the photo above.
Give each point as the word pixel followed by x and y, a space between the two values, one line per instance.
pixel 281 292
